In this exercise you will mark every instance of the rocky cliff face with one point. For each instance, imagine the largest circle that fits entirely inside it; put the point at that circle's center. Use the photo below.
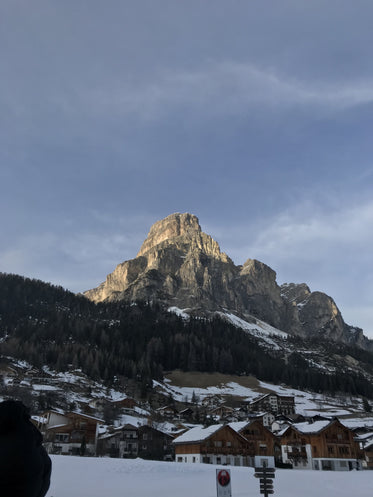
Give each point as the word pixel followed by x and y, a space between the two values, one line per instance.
pixel 181 266
pixel 319 316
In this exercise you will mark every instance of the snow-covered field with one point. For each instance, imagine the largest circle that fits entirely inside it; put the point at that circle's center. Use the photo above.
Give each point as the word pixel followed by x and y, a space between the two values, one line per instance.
pixel 104 477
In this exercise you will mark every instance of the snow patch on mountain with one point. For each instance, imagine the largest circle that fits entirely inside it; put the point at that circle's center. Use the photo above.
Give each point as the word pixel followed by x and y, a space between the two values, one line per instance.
pixel 179 312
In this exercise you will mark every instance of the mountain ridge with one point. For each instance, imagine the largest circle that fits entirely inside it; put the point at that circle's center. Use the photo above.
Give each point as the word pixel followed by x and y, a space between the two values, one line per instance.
pixel 180 265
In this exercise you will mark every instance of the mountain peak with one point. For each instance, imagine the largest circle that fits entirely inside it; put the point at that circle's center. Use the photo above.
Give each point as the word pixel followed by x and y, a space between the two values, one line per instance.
pixel 181 266
pixel 171 227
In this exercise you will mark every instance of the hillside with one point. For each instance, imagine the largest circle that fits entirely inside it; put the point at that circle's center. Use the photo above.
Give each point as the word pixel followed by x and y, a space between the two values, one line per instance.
pixel 115 342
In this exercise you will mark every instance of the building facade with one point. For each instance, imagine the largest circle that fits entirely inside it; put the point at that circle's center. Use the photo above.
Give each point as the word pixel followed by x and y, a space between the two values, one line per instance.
pixel 320 445
pixel 260 440
pixel 71 433
pixel 215 444
pixel 274 403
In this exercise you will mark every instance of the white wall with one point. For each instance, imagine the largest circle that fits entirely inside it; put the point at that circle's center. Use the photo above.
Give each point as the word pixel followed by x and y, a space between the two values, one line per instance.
pixel 56 419
pixel 301 465
pixel 190 458
pixel 269 461
pixel 336 464
pixel 214 459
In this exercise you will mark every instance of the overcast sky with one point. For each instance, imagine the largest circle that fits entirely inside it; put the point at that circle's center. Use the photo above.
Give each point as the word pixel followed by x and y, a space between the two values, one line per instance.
pixel 256 116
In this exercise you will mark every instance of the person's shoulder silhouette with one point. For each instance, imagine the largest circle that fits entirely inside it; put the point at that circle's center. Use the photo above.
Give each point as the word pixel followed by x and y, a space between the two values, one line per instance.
pixel 25 467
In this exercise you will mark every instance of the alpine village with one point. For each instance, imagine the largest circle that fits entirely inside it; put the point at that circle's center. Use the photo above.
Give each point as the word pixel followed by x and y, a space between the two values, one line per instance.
pixel 180 355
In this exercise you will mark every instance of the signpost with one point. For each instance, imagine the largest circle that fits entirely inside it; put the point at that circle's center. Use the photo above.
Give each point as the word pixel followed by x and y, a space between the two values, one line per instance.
pixel 265 476
pixel 223 483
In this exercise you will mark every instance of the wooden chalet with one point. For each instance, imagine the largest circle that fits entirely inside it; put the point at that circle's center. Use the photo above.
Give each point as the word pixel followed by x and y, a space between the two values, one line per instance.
pixel 260 440
pixel 168 412
pixel 129 441
pixel 215 444
pixel 320 445
pixel 212 400
pixel 368 456
pixel 70 433
pixel 119 442
pixel 365 441
pixel 186 414
pixel 221 412
pixel 155 444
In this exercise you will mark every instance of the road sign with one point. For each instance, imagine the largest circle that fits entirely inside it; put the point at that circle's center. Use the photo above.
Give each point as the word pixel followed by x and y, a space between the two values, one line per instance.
pixel 267 481
pixel 264 475
pixel 223 483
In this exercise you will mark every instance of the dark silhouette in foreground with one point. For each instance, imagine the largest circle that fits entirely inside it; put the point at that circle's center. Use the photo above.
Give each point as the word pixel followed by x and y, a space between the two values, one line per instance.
pixel 25 467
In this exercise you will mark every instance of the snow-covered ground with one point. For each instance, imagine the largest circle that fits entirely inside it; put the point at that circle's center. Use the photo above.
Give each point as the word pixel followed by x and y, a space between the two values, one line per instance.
pixel 306 403
pixel 104 477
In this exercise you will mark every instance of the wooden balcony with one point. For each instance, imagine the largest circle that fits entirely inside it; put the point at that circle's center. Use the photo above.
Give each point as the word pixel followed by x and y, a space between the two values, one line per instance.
pixel 337 441
pixel 302 454
pixel 225 451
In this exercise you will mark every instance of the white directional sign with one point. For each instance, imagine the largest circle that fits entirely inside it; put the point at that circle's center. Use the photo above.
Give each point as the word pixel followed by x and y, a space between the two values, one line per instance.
pixel 223 483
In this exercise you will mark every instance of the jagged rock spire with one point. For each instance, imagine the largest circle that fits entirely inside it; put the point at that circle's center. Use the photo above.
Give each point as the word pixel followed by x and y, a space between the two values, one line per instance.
pixel 171 227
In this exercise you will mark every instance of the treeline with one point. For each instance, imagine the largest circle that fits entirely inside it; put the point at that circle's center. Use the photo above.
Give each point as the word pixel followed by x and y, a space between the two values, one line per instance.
pixel 47 325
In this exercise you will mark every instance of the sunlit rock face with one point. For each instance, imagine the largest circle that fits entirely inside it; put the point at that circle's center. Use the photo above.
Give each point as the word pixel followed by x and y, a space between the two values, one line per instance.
pixel 317 311
pixel 180 265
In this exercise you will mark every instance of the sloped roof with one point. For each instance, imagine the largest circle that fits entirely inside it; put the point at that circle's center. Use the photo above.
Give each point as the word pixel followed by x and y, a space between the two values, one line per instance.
pixel 240 425
pixel 254 401
pixel 127 426
pixel 314 427
pixel 309 428
pixel 198 434
pixel 75 413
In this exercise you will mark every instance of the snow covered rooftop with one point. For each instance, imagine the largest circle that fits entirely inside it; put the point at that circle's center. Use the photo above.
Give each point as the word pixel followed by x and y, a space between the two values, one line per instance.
pixel 198 434
pixel 314 427
pixel 355 423
pixel 84 416
pixel 239 425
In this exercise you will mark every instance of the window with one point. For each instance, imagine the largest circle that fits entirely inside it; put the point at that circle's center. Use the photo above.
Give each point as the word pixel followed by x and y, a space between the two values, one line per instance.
pixel 218 443
pixel 194 459
pixel 229 444
pixel 61 437
pixel 179 459
pixel 144 436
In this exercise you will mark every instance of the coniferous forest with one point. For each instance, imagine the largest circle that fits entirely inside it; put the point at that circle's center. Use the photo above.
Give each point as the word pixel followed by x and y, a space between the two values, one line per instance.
pixel 49 326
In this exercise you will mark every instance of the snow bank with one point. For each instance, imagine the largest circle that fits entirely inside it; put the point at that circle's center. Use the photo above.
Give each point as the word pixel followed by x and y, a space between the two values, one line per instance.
pixel 105 477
